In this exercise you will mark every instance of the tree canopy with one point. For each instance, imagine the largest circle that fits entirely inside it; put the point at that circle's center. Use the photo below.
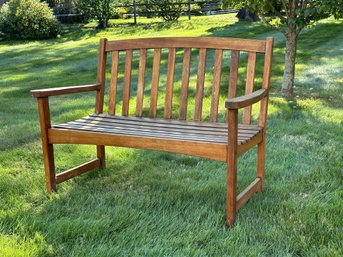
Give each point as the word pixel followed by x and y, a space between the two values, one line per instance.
pixel 290 17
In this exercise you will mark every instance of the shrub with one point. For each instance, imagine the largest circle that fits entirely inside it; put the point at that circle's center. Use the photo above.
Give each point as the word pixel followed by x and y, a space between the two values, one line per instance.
pixel 27 19
pixel 168 10
pixel 101 10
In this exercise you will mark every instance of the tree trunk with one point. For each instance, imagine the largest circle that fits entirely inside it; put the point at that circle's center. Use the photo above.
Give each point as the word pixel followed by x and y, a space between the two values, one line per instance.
pixel 291 49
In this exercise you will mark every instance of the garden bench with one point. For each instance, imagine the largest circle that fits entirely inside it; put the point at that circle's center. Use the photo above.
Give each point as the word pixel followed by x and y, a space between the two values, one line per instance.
pixel 170 126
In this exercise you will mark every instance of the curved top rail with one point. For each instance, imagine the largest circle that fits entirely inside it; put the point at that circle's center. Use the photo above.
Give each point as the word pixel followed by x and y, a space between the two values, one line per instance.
pixel 251 45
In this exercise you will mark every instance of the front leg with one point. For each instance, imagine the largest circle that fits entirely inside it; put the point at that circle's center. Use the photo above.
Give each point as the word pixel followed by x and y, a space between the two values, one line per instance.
pixel 48 150
pixel 231 177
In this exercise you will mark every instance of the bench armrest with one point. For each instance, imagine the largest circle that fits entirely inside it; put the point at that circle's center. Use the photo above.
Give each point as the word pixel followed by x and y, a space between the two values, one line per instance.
pixel 243 101
pixel 64 90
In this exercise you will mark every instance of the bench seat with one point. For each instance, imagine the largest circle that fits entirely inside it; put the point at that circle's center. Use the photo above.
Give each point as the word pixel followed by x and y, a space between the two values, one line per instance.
pixel 159 134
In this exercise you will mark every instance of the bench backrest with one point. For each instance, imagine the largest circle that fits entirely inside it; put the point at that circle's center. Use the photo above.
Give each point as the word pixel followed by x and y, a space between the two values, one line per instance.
pixel 123 84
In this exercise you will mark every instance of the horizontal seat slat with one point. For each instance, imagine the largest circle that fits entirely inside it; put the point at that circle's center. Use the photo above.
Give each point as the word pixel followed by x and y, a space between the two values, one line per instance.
pixel 124 125
pixel 175 122
pixel 155 133
pixel 149 134
pixel 174 125
pixel 152 128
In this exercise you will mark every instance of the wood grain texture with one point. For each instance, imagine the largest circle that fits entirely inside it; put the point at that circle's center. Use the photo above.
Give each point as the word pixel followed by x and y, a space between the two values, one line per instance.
pixel 246 100
pixel 140 84
pixel 268 59
pixel 113 83
pixel 64 90
pixel 127 83
pixel 199 93
pixel 156 130
pixel 76 171
pixel 154 82
pixel 249 85
pixel 261 160
pixel 189 42
pixel 231 176
pixel 233 73
pixel 247 193
pixel 185 83
pixel 213 151
pixel 100 78
pixel 48 150
pixel 170 82
pixel 218 56
pixel 261 149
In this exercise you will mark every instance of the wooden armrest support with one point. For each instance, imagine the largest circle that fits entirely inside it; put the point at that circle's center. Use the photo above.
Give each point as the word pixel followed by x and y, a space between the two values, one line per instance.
pixel 243 101
pixel 63 90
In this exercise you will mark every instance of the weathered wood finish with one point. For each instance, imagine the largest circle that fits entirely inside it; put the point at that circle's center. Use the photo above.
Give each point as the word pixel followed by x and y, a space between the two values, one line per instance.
pixel 216 141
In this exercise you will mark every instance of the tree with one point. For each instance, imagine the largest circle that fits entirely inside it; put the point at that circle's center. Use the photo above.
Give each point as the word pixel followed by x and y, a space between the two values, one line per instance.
pixel 290 17
pixel 101 10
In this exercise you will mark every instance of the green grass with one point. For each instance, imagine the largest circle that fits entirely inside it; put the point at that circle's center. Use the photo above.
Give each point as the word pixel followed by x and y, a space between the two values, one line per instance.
pixel 148 203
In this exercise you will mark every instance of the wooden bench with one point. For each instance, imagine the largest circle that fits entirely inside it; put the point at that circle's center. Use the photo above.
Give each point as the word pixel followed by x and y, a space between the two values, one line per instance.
pixel 169 125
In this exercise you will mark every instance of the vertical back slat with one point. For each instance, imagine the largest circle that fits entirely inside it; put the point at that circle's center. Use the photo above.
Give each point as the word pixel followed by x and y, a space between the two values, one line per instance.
pixel 140 84
pixel 127 83
pixel 266 81
pixel 170 83
pixel 113 83
pixel 249 86
pixel 154 82
pixel 100 79
pixel 185 82
pixel 199 93
pixel 233 73
pixel 216 84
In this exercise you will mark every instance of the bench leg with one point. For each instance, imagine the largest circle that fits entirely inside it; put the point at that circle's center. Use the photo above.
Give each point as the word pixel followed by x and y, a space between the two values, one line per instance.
pixel 100 151
pixel 49 166
pixel 231 185
pixel 48 149
pixel 231 176
pixel 261 158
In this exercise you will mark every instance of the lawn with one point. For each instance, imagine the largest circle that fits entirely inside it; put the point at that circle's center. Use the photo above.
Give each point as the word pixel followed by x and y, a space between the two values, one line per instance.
pixel 148 203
